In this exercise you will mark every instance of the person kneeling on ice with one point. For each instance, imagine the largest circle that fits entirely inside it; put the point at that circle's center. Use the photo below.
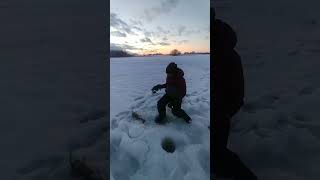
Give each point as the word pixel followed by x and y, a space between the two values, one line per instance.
pixel 175 91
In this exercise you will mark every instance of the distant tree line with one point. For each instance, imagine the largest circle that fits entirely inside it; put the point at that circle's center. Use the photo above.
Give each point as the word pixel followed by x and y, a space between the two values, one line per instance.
pixel 190 53
pixel 119 53
pixel 175 52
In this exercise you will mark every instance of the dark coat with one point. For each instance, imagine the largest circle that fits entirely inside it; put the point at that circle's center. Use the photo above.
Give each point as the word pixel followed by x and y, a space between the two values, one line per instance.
pixel 227 73
pixel 176 85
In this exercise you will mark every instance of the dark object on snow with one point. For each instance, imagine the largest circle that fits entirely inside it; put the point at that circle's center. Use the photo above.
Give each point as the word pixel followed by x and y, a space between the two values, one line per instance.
pixel 79 168
pixel 175 91
pixel 227 97
pixel 135 115
pixel 168 145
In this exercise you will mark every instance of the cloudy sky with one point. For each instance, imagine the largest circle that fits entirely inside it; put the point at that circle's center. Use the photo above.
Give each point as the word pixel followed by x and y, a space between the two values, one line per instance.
pixel 158 26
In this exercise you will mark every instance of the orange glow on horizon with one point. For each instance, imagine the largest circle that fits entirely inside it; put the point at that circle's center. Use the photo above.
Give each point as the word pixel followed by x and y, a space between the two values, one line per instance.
pixel 168 49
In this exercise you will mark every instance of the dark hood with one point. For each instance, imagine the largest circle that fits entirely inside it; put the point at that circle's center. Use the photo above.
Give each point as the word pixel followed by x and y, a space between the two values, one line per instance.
pixel 171 68
pixel 180 72
pixel 224 37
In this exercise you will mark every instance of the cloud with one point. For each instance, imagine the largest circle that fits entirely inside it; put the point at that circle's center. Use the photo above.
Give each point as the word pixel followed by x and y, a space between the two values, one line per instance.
pixel 181 29
pixel 129 47
pixel 183 42
pixel 146 40
pixel 153 51
pixel 136 25
pixel 164 44
pixel 136 22
pixel 164 7
pixel 148 33
pixel 155 33
pixel 123 47
pixel 115 47
pixel 162 31
pixel 189 32
pixel 165 38
pixel 119 24
pixel 118 34
pixel 137 28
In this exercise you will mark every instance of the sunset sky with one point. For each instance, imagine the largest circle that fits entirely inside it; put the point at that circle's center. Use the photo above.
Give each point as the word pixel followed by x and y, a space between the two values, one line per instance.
pixel 158 26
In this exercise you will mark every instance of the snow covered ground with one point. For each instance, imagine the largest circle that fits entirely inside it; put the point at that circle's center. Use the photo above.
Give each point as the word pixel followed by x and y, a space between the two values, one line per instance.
pixel 277 133
pixel 135 147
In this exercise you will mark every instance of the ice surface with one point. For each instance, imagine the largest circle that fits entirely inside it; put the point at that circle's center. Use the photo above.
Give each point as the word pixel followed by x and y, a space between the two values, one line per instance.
pixel 135 148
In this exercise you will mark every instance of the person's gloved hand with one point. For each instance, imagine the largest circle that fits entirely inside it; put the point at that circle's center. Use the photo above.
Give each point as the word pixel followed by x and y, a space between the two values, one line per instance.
pixel 156 88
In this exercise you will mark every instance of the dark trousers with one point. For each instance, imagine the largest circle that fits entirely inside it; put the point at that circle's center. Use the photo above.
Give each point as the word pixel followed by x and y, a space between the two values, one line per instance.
pixel 176 109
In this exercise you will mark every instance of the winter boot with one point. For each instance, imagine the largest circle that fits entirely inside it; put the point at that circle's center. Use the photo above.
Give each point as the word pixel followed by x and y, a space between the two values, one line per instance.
pixel 160 120
pixel 188 120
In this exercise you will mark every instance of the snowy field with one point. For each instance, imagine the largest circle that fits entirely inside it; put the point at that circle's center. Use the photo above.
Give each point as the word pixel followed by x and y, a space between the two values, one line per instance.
pixel 277 133
pixel 135 147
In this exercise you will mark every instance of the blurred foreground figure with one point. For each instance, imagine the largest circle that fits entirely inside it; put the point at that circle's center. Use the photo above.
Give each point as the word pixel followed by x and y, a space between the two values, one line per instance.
pixel 227 97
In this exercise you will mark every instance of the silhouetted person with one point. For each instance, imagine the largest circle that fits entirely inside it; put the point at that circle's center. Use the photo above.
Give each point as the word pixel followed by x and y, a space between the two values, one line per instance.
pixel 175 91
pixel 227 98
